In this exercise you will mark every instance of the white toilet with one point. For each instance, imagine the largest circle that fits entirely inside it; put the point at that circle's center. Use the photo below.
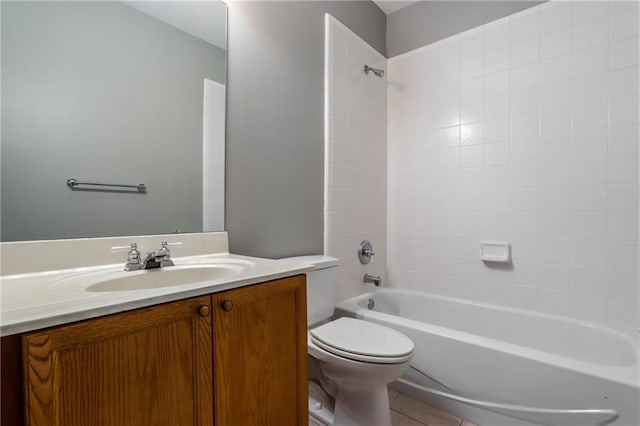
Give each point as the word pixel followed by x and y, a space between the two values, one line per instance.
pixel 357 359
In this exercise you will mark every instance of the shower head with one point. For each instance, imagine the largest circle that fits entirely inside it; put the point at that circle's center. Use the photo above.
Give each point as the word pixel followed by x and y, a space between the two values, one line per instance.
pixel 376 71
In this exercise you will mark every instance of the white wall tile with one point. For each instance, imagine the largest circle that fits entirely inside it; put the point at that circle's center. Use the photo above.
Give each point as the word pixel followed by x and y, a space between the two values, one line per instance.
pixel 555 147
pixel 471 134
pixel 524 200
pixel 617 6
pixel 524 150
pixel 554 276
pixel 472 89
pixel 556 69
pixel 356 197
pixel 556 198
pixel 555 16
pixel 590 61
pixel 471 66
pixel 623 226
pixel 496 154
pixel 589 226
pixel 623 25
pixel 555 44
pixel 554 302
pixel 524 77
pixel 589 10
pixel 471 156
pixel 589 198
pixel 496 60
pixel 588 280
pixel 622 284
pixel 623 111
pixel 623 197
pixel 525 101
pixel 524 175
pixel 588 143
pixel 553 250
pixel 588 307
pixel 624 53
pixel 472 44
pixel 496 130
pixel 621 310
pixel 555 95
pixel 525 25
pixel 449 137
pixel 591 34
pixel 588 253
pixel 525 52
pixel 623 140
pixel 496 107
pixel 592 88
pixel 588 171
pixel 623 168
pixel 622 255
pixel 529 133
pixel 555 121
pixel 525 126
pixel 623 82
pixel 496 35
pixel 496 84
pixel 555 225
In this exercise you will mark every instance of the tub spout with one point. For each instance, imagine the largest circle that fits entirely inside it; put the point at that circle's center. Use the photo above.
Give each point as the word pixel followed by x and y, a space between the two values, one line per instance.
pixel 375 280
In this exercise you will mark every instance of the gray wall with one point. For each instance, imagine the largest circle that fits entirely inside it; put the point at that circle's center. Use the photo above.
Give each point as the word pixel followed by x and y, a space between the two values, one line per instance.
pixel 98 90
pixel 275 146
pixel 424 22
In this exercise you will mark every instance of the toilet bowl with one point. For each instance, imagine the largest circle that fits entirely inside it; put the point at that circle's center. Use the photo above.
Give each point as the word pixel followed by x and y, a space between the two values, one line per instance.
pixel 356 358
pixel 356 372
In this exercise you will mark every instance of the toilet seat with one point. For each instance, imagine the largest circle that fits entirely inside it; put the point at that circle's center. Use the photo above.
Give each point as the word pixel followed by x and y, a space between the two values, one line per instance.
pixel 363 341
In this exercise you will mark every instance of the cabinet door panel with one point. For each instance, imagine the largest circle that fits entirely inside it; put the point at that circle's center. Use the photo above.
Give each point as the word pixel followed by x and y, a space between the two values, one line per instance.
pixel 151 366
pixel 260 353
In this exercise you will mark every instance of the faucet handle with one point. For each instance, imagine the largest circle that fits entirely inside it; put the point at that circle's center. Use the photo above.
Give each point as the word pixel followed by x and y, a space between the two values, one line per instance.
pixel 134 254
pixel 134 261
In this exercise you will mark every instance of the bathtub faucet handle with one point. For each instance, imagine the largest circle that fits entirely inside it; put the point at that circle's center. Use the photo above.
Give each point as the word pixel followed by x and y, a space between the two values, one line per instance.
pixel 375 280
pixel 365 252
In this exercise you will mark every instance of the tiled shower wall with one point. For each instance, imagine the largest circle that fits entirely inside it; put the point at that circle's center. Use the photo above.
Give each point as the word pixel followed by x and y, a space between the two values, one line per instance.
pixel 355 206
pixel 524 130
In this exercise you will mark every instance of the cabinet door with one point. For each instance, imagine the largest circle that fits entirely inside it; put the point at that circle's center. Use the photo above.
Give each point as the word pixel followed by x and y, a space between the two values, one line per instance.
pixel 260 354
pixel 151 366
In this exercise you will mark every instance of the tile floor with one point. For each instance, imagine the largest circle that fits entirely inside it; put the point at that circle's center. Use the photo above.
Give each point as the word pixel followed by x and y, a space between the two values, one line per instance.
pixel 406 411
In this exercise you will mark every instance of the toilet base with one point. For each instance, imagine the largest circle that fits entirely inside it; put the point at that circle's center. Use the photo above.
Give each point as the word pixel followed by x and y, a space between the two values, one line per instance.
pixel 368 407
pixel 359 407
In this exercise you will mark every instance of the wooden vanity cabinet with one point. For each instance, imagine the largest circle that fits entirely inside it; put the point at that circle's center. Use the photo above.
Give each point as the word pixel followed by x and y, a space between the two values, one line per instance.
pixel 260 355
pixel 232 358
pixel 151 366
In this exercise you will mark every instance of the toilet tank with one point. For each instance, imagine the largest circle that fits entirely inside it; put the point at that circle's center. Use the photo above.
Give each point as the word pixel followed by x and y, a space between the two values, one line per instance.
pixel 321 286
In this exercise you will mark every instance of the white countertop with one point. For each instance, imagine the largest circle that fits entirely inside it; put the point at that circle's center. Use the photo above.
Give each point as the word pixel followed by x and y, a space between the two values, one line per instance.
pixel 38 300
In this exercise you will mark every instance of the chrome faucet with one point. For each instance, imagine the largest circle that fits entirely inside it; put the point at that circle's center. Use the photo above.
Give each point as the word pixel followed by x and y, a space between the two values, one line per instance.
pixel 133 258
pixel 159 258
pixel 375 280
pixel 156 259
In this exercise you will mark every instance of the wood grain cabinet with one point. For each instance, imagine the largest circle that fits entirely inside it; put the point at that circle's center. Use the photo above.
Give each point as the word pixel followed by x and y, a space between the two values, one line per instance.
pixel 150 366
pixel 232 358
pixel 260 354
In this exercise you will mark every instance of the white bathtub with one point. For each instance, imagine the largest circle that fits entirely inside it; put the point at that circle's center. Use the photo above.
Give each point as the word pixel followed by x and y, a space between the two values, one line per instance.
pixel 547 364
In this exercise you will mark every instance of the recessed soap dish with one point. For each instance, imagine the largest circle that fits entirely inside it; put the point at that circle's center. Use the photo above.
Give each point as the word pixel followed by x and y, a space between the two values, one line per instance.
pixel 495 251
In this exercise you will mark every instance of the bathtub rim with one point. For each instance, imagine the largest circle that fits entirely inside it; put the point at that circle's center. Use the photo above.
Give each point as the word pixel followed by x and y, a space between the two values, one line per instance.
pixel 622 374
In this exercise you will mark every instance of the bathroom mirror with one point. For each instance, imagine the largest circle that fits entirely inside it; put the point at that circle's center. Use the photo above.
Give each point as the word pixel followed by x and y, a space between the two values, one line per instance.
pixel 113 93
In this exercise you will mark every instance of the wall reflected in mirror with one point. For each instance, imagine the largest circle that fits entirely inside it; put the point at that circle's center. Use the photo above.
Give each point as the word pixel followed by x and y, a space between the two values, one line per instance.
pixel 118 93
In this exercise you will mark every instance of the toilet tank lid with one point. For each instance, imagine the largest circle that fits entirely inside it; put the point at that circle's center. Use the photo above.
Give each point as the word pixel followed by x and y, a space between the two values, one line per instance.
pixel 319 261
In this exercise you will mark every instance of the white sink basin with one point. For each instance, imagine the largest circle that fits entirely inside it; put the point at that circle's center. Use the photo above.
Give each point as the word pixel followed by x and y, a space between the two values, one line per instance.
pixel 118 280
